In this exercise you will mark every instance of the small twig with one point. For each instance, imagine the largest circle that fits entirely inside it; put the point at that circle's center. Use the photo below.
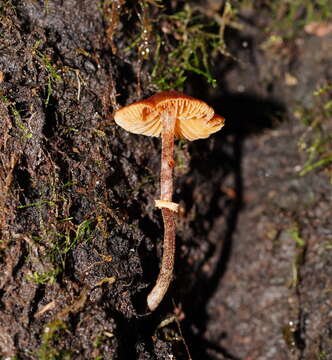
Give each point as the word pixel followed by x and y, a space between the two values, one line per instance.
pixel 176 319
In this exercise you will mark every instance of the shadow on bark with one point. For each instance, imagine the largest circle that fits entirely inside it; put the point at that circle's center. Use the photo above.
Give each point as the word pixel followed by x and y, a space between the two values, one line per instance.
pixel 244 115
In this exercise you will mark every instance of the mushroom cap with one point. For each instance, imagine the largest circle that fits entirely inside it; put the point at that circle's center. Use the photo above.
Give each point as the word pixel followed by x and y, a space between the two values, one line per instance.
pixel 194 118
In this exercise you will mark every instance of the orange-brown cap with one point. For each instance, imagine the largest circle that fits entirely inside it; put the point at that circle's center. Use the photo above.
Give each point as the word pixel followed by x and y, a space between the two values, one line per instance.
pixel 194 118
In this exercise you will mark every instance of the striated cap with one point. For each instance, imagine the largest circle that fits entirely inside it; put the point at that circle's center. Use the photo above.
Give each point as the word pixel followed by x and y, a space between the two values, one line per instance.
pixel 194 118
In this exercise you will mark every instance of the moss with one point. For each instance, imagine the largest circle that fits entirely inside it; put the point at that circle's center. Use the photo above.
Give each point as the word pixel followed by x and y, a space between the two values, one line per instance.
pixel 170 44
pixel 292 16
pixel 189 46
pixel 288 18
pixel 316 139
pixel 44 278
pixel 298 259
pixel 63 243
pixel 52 72
pixel 51 348
pixel 55 246
pixel 99 340
pixel 295 235
pixel 37 203
pixel 322 356
pixel 19 123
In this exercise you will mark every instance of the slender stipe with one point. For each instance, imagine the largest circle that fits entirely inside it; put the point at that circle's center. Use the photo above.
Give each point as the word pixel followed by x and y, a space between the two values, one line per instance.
pixel 165 276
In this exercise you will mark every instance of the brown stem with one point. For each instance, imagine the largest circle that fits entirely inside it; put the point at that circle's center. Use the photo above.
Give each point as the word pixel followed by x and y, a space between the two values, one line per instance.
pixel 166 191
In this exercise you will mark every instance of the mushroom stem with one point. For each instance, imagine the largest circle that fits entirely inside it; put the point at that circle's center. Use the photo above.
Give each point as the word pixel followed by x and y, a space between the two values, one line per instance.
pixel 156 295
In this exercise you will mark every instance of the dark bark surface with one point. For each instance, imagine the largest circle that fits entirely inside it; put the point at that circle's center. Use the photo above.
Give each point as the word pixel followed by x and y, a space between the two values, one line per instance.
pixel 81 240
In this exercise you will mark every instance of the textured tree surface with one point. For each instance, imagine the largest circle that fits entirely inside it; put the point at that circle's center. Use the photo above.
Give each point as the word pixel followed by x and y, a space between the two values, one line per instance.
pixel 81 240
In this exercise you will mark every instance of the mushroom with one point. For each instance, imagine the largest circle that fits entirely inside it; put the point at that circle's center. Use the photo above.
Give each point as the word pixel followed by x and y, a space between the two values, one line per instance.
pixel 171 114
